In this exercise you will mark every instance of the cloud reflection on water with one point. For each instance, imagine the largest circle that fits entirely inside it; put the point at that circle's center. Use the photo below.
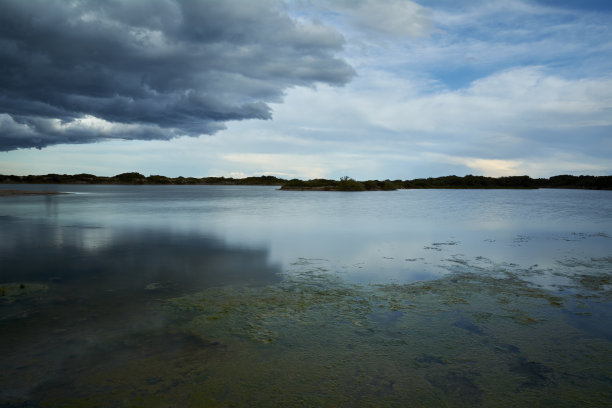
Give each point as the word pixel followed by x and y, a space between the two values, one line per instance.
pixel 128 259
pixel 102 285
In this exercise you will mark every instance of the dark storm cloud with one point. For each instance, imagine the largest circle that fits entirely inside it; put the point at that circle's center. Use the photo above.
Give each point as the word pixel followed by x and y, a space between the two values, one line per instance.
pixel 83 71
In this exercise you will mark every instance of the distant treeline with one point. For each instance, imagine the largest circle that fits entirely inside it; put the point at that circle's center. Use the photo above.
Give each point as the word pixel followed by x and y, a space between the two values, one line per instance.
pixel 344 184
pixel 449 182
pixel 137 178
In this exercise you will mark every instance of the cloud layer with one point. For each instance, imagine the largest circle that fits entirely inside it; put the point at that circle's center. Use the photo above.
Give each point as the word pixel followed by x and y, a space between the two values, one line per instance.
pixel 486 87
pixel 84 71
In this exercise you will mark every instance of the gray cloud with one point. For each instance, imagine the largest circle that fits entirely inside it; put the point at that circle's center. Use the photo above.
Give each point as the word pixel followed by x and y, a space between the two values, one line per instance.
pixel 83 71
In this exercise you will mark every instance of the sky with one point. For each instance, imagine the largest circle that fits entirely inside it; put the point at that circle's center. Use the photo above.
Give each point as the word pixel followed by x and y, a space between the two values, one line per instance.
pixel 370 89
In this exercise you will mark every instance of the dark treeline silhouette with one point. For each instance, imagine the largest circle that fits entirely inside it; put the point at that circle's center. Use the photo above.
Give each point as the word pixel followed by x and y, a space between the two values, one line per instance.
pixel 344 184
pixel 137 178
pixel 449 182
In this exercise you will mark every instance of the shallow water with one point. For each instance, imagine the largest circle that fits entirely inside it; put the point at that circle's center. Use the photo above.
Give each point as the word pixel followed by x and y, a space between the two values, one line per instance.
pixel 244 296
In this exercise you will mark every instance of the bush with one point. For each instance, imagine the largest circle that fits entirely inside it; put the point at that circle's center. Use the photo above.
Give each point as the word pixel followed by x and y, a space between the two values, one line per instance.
pixel 348 184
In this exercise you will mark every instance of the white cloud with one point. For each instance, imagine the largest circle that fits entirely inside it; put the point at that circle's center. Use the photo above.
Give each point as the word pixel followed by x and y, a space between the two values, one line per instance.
pixel 561 162
pixel 491 167
pixel 510 104
pixel 364 18
pixel 391 17
pixel 279 165
pixel 494 127
pixel 474 39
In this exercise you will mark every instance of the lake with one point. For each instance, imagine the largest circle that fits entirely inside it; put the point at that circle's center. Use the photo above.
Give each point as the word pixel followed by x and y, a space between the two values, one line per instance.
pixel 193 296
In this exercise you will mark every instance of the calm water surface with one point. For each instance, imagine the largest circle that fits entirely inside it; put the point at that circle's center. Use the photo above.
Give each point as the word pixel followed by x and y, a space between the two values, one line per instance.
pixel 252 296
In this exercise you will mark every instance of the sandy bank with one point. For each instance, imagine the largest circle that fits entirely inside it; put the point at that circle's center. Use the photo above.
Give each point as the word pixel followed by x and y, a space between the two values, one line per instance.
pixel 4 193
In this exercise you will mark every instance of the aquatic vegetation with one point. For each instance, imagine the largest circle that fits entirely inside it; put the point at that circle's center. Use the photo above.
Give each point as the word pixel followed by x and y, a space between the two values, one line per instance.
pixel 482 335
pixel 596 282
pixel 10 292
pixel 389 336
pixel 591 277
pixel 437 246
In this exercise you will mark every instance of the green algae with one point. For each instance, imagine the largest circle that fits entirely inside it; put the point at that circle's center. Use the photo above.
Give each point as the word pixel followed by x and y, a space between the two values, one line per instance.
pixel 10 292
pixel 316 330
pixel 479 336
pixel 595 282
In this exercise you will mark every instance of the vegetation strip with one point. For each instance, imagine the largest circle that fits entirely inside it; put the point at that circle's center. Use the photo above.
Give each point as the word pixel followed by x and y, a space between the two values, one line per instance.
pixel 344 184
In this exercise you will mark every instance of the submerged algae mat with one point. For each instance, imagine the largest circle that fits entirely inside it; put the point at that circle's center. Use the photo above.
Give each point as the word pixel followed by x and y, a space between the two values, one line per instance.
pixel 476 337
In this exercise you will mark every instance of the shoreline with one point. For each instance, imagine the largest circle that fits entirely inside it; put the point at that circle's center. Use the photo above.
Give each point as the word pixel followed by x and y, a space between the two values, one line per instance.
pixel 344 184
pixel 12 193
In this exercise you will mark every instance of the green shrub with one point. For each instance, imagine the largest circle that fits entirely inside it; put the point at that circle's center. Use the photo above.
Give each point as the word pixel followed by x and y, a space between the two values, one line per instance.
pixel 348 184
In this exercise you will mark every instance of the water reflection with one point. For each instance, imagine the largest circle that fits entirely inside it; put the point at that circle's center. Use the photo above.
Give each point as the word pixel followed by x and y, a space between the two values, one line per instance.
pixel 51 206
pixel 97 259
pixel 71 295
